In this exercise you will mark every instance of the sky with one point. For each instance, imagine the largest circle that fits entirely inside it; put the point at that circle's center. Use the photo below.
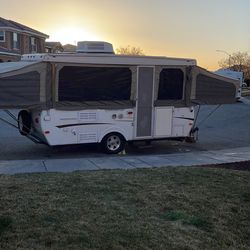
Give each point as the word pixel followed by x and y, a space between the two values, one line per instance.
pixel 174 28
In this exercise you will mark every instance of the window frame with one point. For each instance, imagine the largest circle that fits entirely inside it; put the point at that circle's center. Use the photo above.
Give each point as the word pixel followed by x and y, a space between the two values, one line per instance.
pixel 4 36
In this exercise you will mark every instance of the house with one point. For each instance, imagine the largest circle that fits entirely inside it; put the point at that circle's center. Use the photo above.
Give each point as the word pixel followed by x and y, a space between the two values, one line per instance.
pixel 69 48
pixel 53 47
pixel 17 39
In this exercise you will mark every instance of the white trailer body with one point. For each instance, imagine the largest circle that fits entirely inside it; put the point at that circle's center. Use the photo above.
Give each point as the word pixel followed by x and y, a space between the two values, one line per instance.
pixel 60 127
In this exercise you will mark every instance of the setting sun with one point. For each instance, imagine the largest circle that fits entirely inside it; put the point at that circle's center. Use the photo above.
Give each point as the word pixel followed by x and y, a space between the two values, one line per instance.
pixel 72 34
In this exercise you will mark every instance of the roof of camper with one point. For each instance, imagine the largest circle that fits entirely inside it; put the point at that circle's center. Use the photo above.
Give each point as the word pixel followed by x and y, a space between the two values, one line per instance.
pixel 110 59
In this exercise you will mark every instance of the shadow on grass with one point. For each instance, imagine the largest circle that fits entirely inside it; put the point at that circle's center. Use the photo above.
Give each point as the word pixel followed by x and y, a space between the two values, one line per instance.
pixel 190 220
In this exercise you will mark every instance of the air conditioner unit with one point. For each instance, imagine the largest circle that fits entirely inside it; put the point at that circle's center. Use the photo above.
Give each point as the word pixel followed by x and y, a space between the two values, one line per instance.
pixel 94 47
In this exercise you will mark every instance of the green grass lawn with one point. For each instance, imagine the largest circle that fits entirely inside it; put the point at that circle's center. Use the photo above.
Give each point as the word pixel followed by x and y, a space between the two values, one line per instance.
pixel 167 208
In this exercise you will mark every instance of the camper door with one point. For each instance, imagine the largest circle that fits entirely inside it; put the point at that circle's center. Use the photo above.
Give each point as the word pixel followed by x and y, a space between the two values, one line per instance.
pixel 144 105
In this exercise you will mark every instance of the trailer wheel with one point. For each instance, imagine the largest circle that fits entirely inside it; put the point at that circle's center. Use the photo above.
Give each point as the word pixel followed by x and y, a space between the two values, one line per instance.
pixel 113 143
pixel 24 122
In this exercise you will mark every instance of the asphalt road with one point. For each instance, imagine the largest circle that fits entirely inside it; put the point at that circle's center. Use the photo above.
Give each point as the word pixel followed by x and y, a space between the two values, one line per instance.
pixel 228 127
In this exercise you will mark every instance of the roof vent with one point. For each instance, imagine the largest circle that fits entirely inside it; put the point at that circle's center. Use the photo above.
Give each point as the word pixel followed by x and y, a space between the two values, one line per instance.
pixel 94 47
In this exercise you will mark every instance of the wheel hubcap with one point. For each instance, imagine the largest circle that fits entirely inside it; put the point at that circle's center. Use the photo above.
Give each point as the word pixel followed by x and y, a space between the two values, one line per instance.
pixel 113 142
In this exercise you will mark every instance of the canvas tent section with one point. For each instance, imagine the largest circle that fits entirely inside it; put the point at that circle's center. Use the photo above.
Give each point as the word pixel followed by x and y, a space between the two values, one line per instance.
pixel 24 84
pixel 80 86
pixel 70 86
pixel 183 86
pixel 210 89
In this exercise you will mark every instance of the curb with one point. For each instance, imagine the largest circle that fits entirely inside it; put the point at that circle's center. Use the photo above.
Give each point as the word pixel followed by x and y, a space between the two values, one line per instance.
pixel 125 162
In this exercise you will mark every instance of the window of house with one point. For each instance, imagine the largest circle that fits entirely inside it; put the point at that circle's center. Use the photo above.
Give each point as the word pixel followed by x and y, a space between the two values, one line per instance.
pixel 171 84
pixel 2 36
pixel 15 40
pixel 33 44
pixel 79 84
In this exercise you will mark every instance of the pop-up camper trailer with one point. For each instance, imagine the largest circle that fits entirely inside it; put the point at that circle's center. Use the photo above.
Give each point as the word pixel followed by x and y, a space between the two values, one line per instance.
pixel 95 96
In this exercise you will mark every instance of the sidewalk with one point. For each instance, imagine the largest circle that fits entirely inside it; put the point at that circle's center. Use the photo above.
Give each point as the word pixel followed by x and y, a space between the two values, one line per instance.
pixel 125 162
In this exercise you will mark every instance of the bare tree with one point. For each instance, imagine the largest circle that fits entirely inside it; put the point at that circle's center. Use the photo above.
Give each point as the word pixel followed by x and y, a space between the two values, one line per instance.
pixel 238 61
pixel 130 50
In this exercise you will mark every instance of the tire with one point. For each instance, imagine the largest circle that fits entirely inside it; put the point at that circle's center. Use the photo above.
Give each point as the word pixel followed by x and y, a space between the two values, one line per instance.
pixel 113 143
pixel 24 122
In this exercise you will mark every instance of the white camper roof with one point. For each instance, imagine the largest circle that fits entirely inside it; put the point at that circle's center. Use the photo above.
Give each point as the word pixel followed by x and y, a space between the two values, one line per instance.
pixel 109 59
pixel 13 66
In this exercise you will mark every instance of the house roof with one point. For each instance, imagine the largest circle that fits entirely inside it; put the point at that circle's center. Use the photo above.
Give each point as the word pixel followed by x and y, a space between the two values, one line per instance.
pixel 9 24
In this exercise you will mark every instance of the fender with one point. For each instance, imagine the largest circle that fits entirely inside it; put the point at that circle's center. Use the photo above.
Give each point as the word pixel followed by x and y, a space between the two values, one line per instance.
pixel 113 129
